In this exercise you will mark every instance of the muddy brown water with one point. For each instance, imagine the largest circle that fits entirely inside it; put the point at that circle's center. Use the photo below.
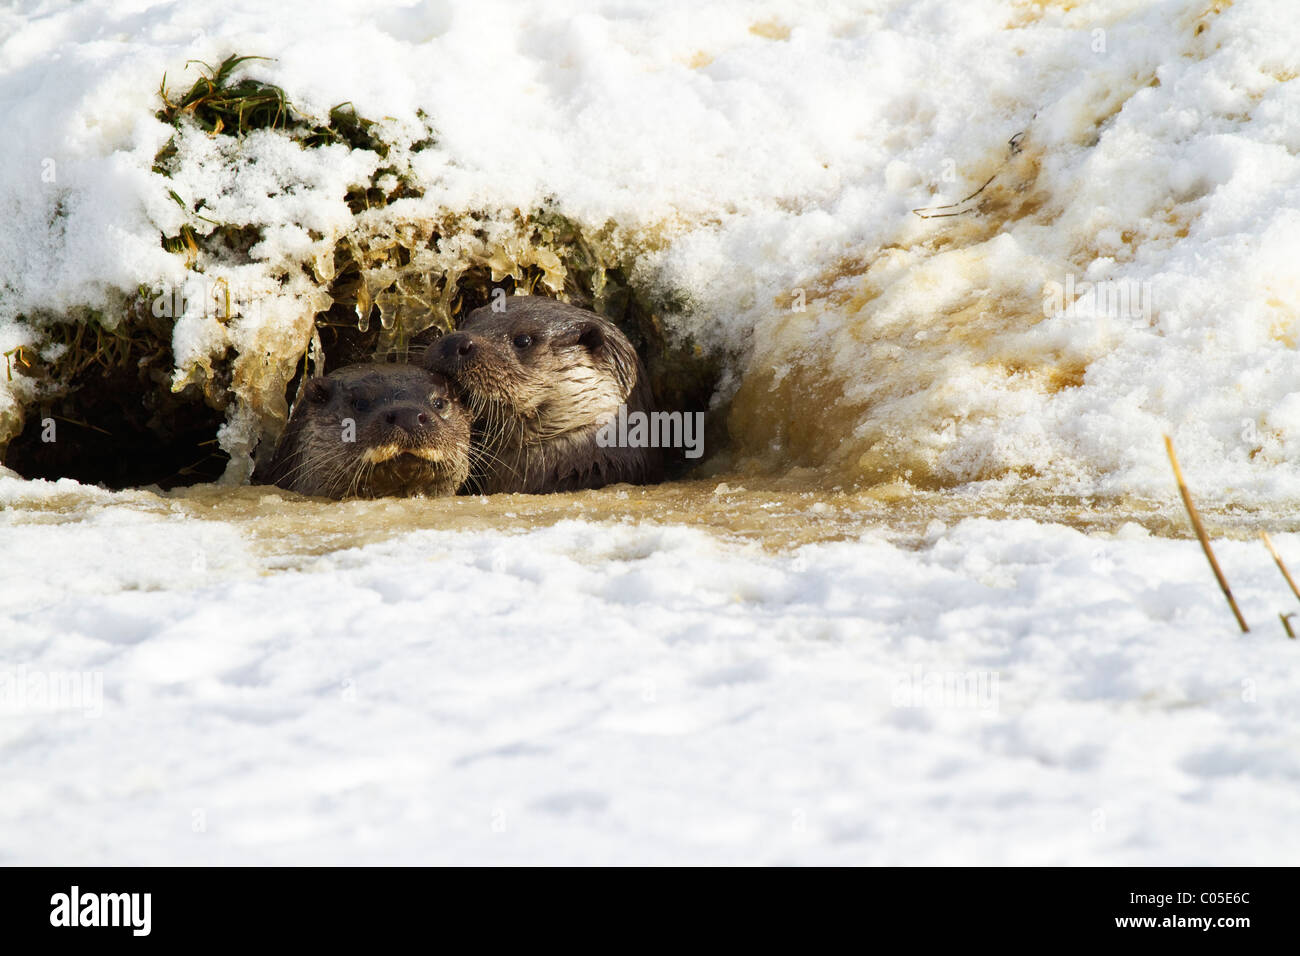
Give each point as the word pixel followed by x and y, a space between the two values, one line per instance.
pixel 779 515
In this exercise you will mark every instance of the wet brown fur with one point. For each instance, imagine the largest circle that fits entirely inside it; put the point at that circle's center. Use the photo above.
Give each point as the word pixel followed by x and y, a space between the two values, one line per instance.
pixel 410 436
pixel 538 407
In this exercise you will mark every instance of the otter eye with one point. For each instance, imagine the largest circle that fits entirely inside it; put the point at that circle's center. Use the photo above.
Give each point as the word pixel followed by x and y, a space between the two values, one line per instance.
pixel 360 405
pixel 441 406
pixel 523 340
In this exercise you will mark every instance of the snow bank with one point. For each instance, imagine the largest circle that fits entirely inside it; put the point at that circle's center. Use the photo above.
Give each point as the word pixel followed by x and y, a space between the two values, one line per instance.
pixel 757 158
pixel 179 689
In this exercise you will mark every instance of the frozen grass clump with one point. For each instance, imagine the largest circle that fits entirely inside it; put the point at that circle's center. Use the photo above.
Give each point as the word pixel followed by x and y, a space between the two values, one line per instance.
pixel 304 244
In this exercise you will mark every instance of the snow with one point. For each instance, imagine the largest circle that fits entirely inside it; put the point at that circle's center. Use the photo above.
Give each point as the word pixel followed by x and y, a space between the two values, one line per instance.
pixel 234 677
pixel 616 692
pixel 749 152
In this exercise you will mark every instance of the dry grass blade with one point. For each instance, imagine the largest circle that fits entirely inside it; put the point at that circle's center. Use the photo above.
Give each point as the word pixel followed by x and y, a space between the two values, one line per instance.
pixel 1281 565
pixel 1202 536
pixel 933 212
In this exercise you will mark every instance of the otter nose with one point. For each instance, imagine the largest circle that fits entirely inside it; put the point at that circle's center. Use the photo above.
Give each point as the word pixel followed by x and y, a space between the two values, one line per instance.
pixel 409 418
pixel 457 346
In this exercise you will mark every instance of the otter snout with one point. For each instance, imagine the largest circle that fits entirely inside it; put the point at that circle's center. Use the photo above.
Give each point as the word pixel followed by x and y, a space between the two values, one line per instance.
pixel 451 352
pixel 409 418
pixel 374 429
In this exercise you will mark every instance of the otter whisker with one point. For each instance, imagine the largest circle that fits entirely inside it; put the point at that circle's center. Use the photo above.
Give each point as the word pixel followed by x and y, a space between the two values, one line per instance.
pixel 539 378
pixel 408 439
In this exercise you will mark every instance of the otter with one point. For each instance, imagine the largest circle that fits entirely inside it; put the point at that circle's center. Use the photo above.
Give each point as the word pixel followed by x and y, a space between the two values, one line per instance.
pixel 540 379
pixel 373 430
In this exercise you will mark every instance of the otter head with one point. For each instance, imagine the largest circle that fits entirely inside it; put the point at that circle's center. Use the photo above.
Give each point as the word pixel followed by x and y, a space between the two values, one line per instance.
pixel 372 430
pixel 538 370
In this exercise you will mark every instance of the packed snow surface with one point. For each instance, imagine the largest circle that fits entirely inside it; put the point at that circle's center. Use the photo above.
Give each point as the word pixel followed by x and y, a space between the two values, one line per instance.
pixel 591 691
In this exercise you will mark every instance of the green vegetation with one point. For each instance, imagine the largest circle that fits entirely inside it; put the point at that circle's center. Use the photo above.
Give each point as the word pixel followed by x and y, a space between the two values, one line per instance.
pixel 219 105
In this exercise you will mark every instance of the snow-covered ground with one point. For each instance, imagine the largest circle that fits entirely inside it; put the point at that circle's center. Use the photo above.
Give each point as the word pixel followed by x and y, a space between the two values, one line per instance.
pixel 584 692
pixel 248 678
pixel 1131 271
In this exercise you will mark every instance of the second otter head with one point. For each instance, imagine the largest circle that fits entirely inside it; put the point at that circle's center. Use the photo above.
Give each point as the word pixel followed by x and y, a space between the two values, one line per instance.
pixel 374 430
pixel 537 370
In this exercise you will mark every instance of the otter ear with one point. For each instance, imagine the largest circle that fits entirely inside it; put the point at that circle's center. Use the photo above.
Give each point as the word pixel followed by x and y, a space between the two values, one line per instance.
pixel 318 391
pixel 591 337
